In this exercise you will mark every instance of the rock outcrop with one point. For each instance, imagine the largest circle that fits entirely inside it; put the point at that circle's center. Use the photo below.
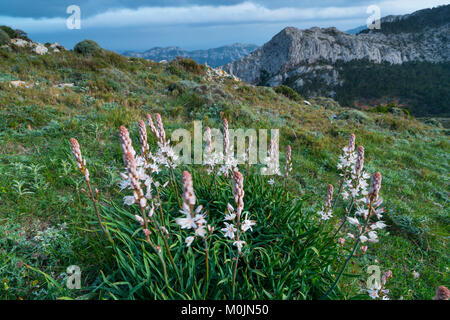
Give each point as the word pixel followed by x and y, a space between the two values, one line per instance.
pixel 296 52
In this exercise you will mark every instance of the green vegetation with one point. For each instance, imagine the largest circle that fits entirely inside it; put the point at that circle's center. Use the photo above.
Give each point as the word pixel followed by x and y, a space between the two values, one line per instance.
pixel 87 47
pixel 288 92
pixel 9 31
pixel 4 38
pixel 47 223
pixel 426 18
pixel 423 87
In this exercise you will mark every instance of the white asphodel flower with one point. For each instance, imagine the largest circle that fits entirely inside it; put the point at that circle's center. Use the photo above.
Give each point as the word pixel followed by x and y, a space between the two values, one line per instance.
pixel 247 224
pixel 378 225
pixel 353 221
pixel 230 216
pixel 139 219
pixel 199 219
pixel 373 294
pixel 189 241
pixel 229 230
pixel 128 200
pixel 186 223
pixel 363 239
pixel 239 244
pixel 200 231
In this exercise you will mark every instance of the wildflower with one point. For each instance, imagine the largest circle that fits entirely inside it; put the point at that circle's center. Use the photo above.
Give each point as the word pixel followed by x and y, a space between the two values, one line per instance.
pixel 160 127
pixel 375 186
pixel 288 167
pixel 186 223
pixel 130 163
pixel 147 232
pixel 378 290
pixel 442 293
pixel 387 275
pixel 364 249
pixel 81 163
pixel 189 241
pixel 125 142
pixel 341 241
pixel 193 218
pixel 378 225
pixel 152 126
pixel 373 237
pixel 359 161
pixel 249 149
pixel 271 181
pixel 351 143
pixel 208 140
pixel 229 161
pixel 229 230
pixel 188 189
pixel 239 245
pixel 139 219
pixel 329 197
pixel 353 221
pixel 129 200
pixel 326 213
pixel 226 139
pixel 247 224
pixel 143 138
pixel 373 293
pixel 238 191
pixel 271 162
pixel 415 274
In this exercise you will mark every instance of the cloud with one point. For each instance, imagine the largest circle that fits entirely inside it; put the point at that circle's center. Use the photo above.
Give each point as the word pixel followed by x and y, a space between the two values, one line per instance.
pixel 242 13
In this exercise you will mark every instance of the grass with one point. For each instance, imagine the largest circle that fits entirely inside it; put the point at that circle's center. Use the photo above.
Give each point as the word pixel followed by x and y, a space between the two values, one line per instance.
pixel 40 188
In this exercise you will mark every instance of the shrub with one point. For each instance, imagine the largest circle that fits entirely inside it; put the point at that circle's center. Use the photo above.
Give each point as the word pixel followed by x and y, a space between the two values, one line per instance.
pixel 4 38
pixel 189 65
pixel 288 92
pixel 87 48
pixel 390 108
pixel 8 30
pixel 354 115
pixel 21 35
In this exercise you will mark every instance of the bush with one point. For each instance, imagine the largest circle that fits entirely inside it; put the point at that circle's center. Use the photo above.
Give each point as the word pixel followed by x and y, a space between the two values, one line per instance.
pixel 87 47
pixel 21 35
pixel 189 65
pixel 288 92
pixel 390 108
pixel 354 115
pixel 8 30
pixel 4 38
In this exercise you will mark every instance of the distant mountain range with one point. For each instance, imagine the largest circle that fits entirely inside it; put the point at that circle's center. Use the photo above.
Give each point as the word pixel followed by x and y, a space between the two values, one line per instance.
pixel 213 57
pixel 407 61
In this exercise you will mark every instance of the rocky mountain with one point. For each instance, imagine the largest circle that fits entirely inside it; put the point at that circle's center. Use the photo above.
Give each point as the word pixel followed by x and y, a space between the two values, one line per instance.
pixel 214 57
pixel 314 61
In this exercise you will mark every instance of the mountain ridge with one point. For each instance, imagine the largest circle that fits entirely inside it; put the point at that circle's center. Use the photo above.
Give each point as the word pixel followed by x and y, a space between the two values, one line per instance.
pixel 309 58
pixel 214 57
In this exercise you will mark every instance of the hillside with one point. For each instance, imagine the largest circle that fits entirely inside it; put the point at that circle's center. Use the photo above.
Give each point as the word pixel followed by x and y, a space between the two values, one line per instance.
pixel 321 62
pixel 213 57
pixel 47 222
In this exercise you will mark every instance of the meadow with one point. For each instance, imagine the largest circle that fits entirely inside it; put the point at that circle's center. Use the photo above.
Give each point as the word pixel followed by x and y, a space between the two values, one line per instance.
pixel 48 223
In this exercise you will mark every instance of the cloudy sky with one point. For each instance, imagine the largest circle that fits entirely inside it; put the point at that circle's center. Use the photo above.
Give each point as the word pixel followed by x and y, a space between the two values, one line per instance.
pixel 193 24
